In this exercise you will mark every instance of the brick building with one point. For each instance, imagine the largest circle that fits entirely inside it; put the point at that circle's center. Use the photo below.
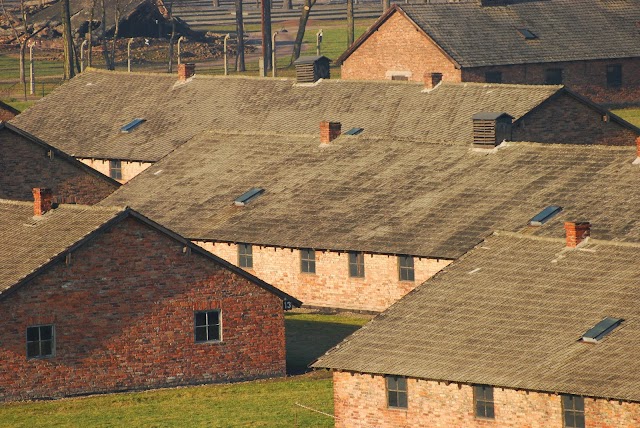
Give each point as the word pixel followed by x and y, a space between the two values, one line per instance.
pixel 7 112
pixel 101 299
pixel 27 162
pixel 524 330
pixel 359 221
pixel 142 117
pixel 592 46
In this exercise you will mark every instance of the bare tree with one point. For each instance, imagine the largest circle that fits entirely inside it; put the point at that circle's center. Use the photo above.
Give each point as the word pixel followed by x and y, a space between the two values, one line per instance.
pixel 287 4
pixel 94 3
pixel 240 35
pixel 67 41
pixel 302 25
pixel 386 4
pixel 266 34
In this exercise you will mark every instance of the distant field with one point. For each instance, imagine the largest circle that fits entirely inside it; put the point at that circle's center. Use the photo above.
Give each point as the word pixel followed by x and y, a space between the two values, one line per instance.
pixel 631 115
pixel 268 403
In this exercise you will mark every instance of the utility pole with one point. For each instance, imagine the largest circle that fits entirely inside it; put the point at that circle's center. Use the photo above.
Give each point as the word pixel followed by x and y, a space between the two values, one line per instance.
pixel 350 26
pixel 318 41
pixel 84 43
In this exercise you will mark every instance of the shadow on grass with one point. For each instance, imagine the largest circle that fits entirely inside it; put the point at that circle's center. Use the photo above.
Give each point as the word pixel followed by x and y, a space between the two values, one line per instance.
pixel 308 339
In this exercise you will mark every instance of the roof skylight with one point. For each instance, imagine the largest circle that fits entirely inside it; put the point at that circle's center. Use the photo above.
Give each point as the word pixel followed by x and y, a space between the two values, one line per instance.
pixel 527 34
pixel 354 131
pixel 600 330
pixel 248 196
pixel 545 215
pixel 132 125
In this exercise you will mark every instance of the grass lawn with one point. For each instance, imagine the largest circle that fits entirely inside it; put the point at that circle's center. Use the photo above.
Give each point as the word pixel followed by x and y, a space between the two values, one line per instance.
pixel 631 115
pixel 267 403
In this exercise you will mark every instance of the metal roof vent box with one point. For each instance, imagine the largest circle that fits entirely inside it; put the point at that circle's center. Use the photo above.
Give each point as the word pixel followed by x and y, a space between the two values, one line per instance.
pixel 491 129
pixel 247 196
pixel 310 69
pixel 600 330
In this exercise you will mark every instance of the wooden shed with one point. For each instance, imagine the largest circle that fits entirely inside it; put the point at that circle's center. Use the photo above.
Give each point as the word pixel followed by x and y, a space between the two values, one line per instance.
pixel 310 69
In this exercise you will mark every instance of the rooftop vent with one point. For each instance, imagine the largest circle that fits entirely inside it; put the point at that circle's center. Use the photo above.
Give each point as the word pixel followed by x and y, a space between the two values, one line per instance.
pixel 310 69
pixel 132 125
pixel 42 200
pixel 577 232
pixel 528 35
pixel 354 131
pixel 247 196
pixel 490 129
pixel 600 330
pixel 545 215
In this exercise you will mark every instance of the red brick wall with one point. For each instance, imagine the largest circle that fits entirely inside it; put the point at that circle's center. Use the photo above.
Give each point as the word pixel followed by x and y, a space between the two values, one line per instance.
pixel 25 165
pixel 564 119
pixel 360 401
pixel 331 285
pixel 397 46
pixel 588 78
pixel 124 319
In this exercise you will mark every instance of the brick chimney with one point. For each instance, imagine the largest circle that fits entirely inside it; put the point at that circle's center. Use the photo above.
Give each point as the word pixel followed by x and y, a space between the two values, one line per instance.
pixel 329 131
pixel 431 79
pixel 185 71
pixel 577 232
pixel 42 199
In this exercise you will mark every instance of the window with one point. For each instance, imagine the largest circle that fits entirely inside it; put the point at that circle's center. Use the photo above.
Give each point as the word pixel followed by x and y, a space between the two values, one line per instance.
pixel 573 409
pixel 207 326
pixel 396 392
pixel 308 261
pixel 483 399
pixel 527 34
pixel 553 76
pixel 245 255
pixel 435 79
pixel 115 169
pixel 40 341
pixel 493 76
pixel 614 76
pixel 356 264
pixel 405 268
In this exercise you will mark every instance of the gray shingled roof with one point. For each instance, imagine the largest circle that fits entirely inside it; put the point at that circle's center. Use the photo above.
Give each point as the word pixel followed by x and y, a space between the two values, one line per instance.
pixel 514 322
pixel 83 117
pixel 28 243
pixel 382 195
pixel 566 30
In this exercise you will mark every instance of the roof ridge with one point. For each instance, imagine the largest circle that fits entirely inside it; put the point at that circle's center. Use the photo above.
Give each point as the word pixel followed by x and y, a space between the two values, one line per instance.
pixel 591 240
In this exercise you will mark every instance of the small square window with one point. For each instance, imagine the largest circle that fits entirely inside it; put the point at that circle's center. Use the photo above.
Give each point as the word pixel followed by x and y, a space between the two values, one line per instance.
pixel 573 410
pixel 115 169
pixel 483 399
pixel 245 255
pixel 396 392
pixel 553 76
pixel 207 326
pixel 356 264
pixel 614 76
pixel 40 341
pixel 307 261
pixel 405 268
pixel 493 76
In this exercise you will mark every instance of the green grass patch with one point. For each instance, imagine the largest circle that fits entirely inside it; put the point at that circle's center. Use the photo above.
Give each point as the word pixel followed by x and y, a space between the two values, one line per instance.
pixel 269 403
pixel 264 403
pixel 10 67
pixel 334 38
pixel 631 115
pixel 311 335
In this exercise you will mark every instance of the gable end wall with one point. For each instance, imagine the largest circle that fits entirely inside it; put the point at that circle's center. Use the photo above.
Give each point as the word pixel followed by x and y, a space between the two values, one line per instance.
pixel 124 319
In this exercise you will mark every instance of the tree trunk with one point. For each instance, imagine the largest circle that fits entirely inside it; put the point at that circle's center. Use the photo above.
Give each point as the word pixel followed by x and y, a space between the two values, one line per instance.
pixel 287 4
pixel 386 4
pixel 23 48
pixel 67 41
pixel 115 35
pixel 90 41
pixel 240 36
pixel 350 27
pixel 105 46
pixel 216 3
pixel 304 17
pixel 266 34
pixel 171 41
